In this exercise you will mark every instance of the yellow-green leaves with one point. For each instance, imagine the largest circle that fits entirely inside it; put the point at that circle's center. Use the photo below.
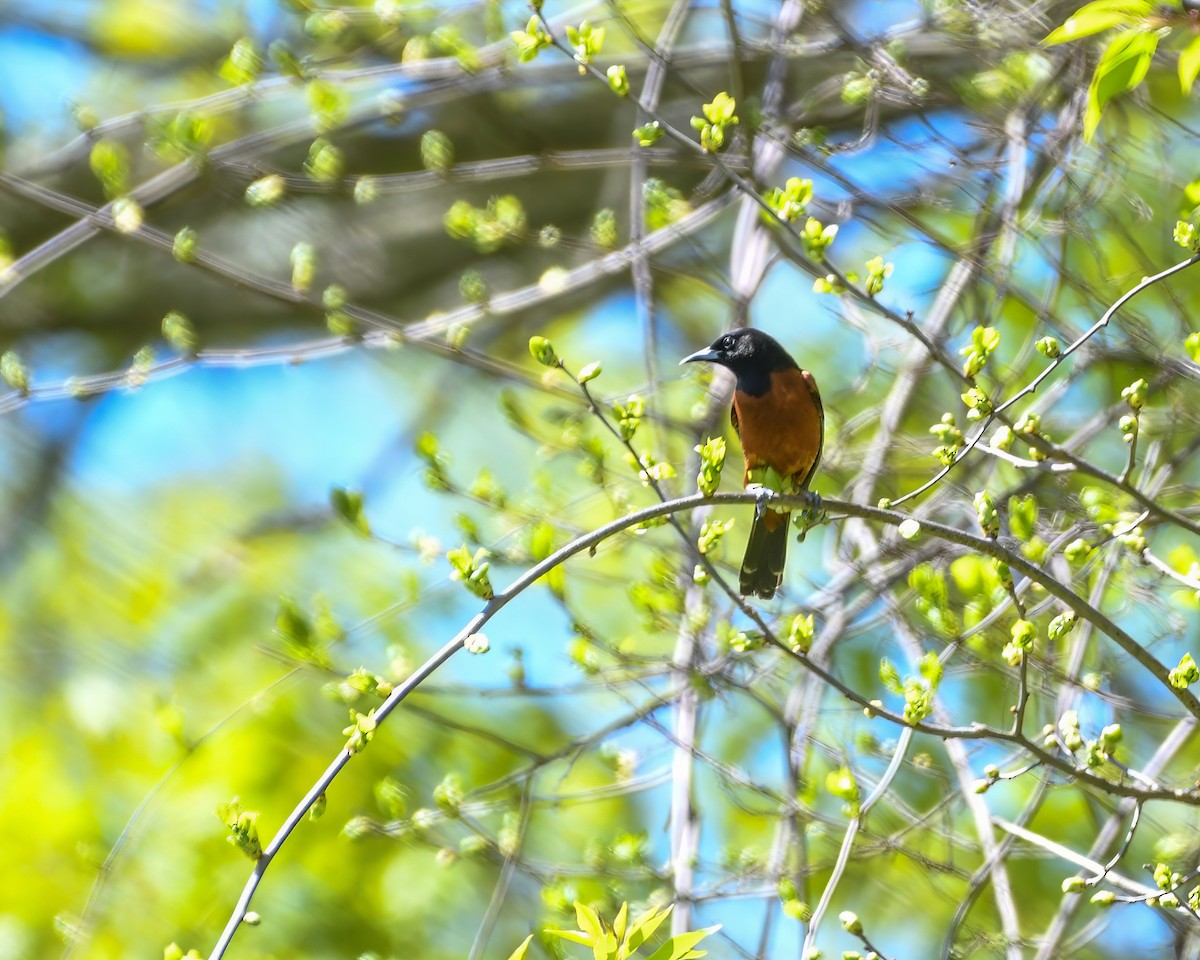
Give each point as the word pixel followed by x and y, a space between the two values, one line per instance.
pixel 841 784
pixel 984 341
pixel 1135 394
pixel 918 691
pixel 1126 59
pixel 977 403
pixel 618 81
pixel 542 350
pixel 1123 65
pixel 244 63
pixel 790 202
pixel 328 104
pixel 712 460
pixel 604 229
pixel 933 597
pixel 1191 344
pixel 243 827
pixel 541 545
pixel 326 24
pixel 14 372
pixel 519 953
pixel 789 897
pixel 857 88
pixel 471 570
pixel 127 215
pixel 285 60
pixel 1096 17
pixel 530 40
pixel 1022 516
pixel 360 731
pixel 950 438
pixel 1185 673
pixel 624 938
pixel 877 273
pixel 488 228
pixel 718 117
pixel 1023 633
pixel 348 504
pixel 473 288
pixel 181 136
pixel 816 237
pixel 109 161
pixel 711 534
pixel 366 190
pixel 989 516
pixel 178 332
pixel 586 41
pixel 1077 551
pixel 662 205
pixel 437 151
pixel 1061 625
pixel 629 415
pixel 830 283
pixel 307 638
pixel 325 161
pixel 304 266
pixel 266 191
pixel 648 134
pixel 183 248
pixel 1189 64
pixel 1186 235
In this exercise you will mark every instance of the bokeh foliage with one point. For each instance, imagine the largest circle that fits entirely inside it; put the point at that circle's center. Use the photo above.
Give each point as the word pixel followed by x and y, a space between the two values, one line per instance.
pixel 271 406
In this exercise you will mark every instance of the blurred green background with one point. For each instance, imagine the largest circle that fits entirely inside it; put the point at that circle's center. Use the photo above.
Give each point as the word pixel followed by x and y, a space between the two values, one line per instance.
pixel 166 490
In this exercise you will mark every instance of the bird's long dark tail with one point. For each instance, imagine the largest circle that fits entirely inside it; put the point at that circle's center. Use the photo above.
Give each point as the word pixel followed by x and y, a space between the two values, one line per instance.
pixel 766 553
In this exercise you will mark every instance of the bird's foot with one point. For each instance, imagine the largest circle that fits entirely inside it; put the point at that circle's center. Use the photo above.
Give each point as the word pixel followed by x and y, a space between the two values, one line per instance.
pixel 812 514
pixel 763 496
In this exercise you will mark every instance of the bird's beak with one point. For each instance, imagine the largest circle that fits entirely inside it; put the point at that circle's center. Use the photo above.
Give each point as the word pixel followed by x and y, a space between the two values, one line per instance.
pixel 705 354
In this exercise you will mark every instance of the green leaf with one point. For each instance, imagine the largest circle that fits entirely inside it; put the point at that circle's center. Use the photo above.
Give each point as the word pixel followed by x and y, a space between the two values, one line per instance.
pixel 348 504
pixel 680 945
pixel 437 151
pixel 621 921
pixel 177 331
pixel 1189 64
pixel 642 929
pixel 1096 17
pixel 266 191
pixel 1122 66
pixel 109 160
pixel 575 936
pixel 519 953
pixel 931 668
pixel 889 676
pixel 589 921
pixel 14 372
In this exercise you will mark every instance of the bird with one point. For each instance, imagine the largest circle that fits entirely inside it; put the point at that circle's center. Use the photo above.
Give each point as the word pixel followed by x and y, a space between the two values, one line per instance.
pixel 778 417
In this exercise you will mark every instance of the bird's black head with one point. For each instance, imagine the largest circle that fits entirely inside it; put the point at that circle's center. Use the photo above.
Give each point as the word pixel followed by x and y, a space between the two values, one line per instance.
pixel 752 356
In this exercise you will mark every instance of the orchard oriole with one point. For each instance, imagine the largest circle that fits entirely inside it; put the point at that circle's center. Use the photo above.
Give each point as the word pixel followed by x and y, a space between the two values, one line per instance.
pixel 778 416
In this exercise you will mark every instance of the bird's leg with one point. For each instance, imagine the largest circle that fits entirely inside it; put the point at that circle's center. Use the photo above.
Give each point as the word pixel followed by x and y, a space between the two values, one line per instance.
pixel 810 516
pixel 762 498
pixel 766 483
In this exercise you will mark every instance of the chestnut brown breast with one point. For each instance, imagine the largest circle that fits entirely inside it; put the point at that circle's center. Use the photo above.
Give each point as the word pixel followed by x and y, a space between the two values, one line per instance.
pixel 784 427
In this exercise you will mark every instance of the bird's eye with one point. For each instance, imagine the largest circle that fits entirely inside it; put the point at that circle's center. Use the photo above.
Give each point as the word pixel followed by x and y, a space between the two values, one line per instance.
pixel 727 343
